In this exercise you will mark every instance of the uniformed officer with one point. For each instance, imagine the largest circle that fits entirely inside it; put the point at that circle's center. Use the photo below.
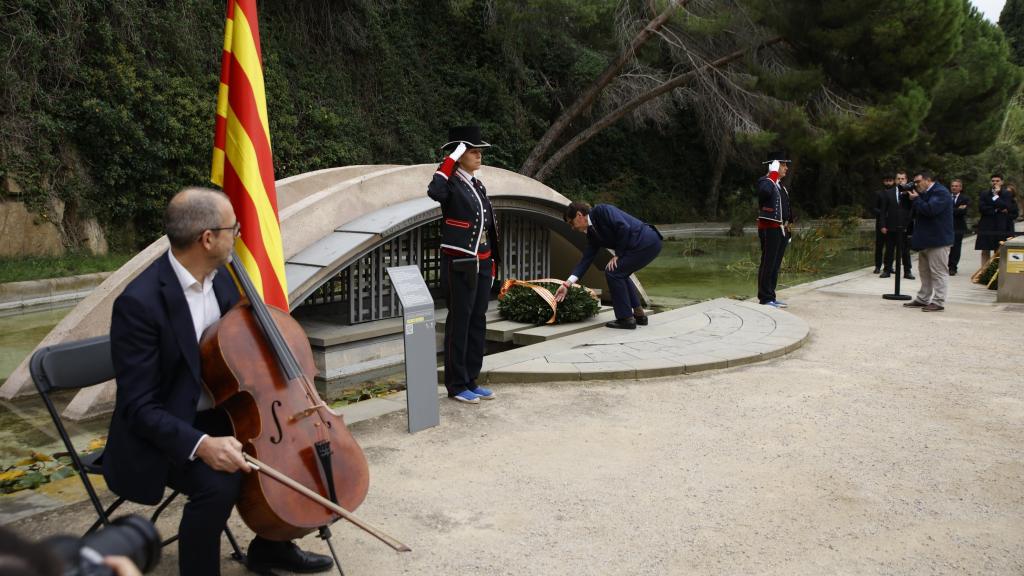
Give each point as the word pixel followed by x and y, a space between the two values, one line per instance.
pixel 774 216
pixel 470 251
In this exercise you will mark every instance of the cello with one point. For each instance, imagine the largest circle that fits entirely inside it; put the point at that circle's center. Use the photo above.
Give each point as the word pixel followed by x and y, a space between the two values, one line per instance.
pixel 308 469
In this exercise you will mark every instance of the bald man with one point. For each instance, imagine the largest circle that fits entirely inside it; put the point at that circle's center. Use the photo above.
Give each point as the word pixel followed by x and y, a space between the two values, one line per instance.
pixel 165 430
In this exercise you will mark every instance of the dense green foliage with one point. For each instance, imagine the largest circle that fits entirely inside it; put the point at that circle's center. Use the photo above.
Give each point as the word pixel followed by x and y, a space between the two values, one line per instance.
pixel 109 107
pixel 1011 21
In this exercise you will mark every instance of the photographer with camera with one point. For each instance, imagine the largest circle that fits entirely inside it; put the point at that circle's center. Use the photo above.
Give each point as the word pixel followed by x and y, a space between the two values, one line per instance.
pixel 119 549
pixel 932 238
pixel 896 218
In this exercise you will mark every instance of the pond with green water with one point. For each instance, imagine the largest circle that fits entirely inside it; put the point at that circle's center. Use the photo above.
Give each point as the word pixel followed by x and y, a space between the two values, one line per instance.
pixel 699 269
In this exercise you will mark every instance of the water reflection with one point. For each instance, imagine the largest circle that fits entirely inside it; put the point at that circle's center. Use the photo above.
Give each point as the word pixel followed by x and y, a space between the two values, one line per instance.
pixel 20 334
pixel 24 423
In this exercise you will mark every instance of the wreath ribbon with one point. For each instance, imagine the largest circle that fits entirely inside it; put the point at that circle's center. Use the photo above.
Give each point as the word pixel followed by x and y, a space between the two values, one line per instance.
pixel 541 291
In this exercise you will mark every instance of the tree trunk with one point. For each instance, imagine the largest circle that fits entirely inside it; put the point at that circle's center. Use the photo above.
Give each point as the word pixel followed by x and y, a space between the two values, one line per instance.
pixel 711 209
pixel 613 116
pixel 586 99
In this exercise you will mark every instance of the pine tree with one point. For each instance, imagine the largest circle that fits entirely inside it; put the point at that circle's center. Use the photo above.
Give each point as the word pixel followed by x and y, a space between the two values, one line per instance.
pixel 1011 20
pixel 969 101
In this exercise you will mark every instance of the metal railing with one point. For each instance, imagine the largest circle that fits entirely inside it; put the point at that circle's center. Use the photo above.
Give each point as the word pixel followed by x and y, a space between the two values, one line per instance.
pixel 362 292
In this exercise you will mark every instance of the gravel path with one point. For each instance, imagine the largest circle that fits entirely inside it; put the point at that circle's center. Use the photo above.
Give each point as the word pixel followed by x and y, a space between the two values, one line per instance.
pixel 890 443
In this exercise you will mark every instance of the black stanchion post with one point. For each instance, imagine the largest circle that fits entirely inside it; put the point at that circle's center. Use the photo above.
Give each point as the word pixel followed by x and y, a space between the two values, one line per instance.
pixel 898 267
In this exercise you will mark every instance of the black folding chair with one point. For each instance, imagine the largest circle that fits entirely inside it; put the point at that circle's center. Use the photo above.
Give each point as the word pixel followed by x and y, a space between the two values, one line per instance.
pixel 72 366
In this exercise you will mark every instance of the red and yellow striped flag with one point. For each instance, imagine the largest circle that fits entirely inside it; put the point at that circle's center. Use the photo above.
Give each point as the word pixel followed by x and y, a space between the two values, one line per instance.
pixel 242 161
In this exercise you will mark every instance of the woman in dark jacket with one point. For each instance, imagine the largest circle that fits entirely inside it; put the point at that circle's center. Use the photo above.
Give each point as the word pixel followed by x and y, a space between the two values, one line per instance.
pixel 998 210
pixel 470 251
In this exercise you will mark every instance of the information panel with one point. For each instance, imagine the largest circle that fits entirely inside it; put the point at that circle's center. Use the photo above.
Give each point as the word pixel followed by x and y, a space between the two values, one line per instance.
pixel 420 347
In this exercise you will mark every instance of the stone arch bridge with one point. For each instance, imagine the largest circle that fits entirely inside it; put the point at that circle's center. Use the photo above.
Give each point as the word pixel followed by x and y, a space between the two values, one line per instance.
pixel 341 227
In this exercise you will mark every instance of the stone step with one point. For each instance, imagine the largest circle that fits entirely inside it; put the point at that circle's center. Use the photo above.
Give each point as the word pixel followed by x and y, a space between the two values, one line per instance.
pixel 537 334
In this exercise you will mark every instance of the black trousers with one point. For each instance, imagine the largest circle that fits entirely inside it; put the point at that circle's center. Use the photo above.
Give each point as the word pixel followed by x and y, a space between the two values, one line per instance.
pixel 467 294
pixel 211 496
pixel 954 251
pixel 879 245
pixel 891 240
pixel 773 248
pixel 625 298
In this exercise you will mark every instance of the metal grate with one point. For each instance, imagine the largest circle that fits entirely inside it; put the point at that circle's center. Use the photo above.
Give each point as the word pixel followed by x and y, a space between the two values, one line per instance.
pixel 363 291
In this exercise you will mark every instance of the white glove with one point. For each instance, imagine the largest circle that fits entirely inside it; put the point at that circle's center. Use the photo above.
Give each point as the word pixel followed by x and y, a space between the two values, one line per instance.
pixel 458 152
pixel 448 166
pixel 774 166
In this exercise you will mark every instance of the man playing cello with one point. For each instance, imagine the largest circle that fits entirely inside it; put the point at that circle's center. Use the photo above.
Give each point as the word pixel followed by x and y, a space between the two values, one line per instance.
pixel 165 430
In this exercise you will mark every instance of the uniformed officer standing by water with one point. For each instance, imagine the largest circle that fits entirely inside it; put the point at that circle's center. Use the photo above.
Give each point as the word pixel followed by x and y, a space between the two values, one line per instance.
pixel 469 255
pixel 774 216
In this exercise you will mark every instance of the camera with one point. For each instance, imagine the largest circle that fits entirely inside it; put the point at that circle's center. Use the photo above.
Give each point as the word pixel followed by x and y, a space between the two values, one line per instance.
pixel 907 187
pixel 132 536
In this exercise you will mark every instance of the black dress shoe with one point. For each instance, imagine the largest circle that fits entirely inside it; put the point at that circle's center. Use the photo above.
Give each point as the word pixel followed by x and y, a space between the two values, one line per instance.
pixel 908 276
pixel 876 270
pixel 884 274
pixel 265 555
pixel 623 323
pixel 640 320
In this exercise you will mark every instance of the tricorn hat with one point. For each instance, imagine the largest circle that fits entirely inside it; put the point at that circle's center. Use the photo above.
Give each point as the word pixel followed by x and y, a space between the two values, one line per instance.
pixel 468 135
pixel 779 155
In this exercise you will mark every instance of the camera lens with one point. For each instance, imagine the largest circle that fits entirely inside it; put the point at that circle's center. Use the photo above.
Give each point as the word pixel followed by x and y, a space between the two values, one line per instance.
pixel 132 536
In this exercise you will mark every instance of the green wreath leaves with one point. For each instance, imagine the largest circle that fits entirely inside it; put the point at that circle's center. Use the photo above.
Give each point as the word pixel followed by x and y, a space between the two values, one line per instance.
pixel 522 304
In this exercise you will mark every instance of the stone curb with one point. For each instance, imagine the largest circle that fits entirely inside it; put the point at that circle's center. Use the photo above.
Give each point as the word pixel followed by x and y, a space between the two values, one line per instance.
pixel 48 292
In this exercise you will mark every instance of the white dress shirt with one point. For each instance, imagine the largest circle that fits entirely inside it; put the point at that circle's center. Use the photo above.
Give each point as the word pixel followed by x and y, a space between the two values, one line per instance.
pixel 202 305
pixel 572 277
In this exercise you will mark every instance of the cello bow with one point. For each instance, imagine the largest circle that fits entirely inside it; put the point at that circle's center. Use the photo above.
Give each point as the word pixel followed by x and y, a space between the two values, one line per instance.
pixel 255 464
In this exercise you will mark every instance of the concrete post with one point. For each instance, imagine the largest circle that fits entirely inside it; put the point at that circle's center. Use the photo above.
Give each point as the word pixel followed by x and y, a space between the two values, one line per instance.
pixel 1011 271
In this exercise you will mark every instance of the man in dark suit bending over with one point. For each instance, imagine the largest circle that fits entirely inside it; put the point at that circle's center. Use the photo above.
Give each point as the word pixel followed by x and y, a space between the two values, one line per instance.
pixel 635 243
pixel 165 430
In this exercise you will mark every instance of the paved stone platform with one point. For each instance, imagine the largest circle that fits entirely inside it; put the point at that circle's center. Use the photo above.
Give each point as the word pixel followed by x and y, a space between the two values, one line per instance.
pixel 718 333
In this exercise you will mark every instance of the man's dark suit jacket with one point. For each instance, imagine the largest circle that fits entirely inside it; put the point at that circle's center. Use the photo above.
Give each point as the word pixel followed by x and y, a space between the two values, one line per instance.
pixel 960 216
pixel 610 228
pixel 156 359
pixel 896 215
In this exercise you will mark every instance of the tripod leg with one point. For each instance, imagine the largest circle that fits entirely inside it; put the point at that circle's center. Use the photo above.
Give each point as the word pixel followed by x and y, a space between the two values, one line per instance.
pixel 325 535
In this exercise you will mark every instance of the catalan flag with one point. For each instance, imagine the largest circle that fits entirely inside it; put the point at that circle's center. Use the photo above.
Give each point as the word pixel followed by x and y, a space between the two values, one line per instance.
pixel 242 161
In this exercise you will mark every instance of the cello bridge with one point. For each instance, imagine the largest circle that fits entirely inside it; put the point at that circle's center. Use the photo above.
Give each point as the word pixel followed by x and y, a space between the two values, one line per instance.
pixel 307 412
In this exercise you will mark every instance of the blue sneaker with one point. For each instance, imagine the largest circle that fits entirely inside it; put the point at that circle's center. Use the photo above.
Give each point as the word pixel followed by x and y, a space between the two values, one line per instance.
pixel 483 393
pixel 781 304
pixel 467 396
pixel 772 303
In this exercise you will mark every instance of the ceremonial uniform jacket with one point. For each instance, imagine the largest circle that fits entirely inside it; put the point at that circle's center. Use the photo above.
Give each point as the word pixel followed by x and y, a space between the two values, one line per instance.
pixel 773 202
pixel 464 208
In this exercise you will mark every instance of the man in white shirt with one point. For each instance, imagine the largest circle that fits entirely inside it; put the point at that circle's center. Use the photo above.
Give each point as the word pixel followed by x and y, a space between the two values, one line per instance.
pixel 164 431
